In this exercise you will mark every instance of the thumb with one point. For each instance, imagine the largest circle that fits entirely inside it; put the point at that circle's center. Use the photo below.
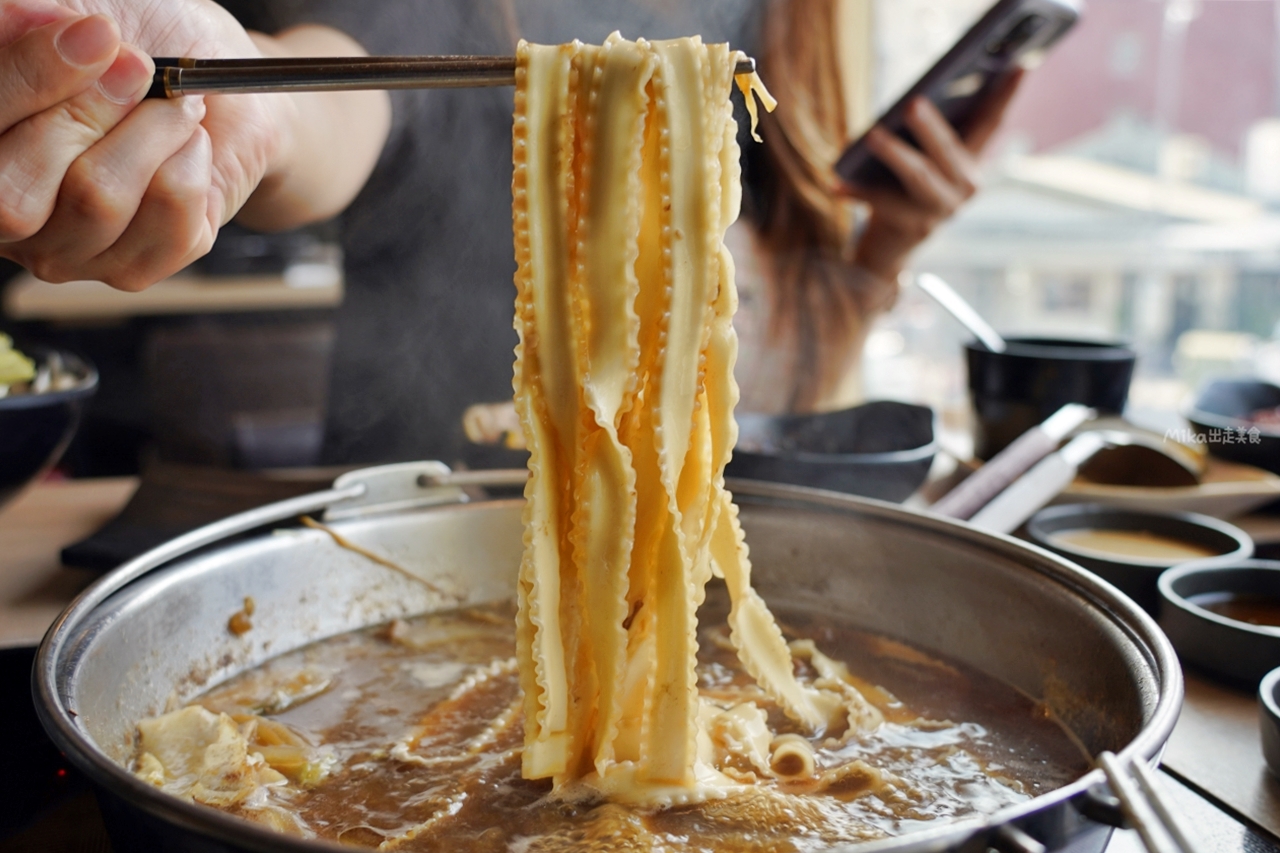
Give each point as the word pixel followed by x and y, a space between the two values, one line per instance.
pixel 50 64
pixel 19 17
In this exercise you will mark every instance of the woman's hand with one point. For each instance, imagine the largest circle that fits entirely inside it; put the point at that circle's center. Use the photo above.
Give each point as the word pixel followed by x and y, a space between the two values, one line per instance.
pixel 97 183
pixel 937 178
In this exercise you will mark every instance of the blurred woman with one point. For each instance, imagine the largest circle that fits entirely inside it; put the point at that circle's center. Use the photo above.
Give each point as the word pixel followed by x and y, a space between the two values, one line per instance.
pixel 818 260
pixel 97 183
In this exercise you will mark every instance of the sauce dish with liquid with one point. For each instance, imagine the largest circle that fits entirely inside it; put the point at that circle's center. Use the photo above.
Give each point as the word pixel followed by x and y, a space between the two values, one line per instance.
pixel 1130 548
pixel 1224 618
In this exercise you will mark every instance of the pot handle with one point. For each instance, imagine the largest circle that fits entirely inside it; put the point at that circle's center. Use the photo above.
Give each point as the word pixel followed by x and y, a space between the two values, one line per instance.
pixel 1137 804
pixel 1011 839
pixel 365 491
pixel 46 682
pixel 1143 806
pixel 410 485
pixel 200 537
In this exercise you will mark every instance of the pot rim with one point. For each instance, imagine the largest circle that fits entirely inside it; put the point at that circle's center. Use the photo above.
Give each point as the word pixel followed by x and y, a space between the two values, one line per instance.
pixel 888 457
pixel 58 652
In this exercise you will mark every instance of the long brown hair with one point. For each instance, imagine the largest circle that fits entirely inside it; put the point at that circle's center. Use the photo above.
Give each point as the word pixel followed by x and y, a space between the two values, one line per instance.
pixel 820 304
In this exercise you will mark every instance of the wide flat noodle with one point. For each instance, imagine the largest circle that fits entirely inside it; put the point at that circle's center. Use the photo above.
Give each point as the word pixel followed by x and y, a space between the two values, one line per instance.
pixel 626 177
pixel 545 389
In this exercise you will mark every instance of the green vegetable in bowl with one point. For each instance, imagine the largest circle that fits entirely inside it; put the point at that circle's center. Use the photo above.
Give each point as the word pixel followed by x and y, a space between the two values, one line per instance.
pixel 14 366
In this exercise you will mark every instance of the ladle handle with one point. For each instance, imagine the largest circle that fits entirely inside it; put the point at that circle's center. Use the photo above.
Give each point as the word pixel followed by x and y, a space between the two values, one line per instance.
pixel 1038 486
pixel 966 499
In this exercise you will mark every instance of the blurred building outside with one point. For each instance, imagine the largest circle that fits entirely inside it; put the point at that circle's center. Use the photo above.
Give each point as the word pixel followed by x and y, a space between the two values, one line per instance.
pixel 1133 194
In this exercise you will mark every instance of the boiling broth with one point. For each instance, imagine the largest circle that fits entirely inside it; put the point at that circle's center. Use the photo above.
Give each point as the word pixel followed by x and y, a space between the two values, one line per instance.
pixel 386 707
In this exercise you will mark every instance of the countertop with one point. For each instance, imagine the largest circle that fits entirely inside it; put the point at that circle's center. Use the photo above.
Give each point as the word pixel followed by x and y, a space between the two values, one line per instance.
pixel 28 298
pixel 1214 768
pixel 34 585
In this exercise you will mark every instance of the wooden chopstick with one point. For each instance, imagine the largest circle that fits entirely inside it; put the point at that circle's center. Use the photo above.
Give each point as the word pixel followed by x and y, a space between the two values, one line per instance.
pixel 178 76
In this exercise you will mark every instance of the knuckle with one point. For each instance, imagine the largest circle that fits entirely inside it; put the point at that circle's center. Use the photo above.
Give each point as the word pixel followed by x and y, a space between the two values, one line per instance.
pixel 84 121
pixel 944 203
pixel 201 247
pixel 49 268
pixel 124 273
pixel 26 81
pixel 17 223
pixel 176 194
pixel 20 216
pixel 14 228
pixel 139 267
pixel 199 240
pixel 89 193
pixel 123 279
pixel 915 228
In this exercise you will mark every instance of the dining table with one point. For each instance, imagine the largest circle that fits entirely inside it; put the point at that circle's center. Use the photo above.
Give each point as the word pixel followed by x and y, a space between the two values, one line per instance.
pixel 1212 770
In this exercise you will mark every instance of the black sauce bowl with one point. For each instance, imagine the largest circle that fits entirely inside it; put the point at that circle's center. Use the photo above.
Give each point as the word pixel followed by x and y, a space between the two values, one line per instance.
pixel 1237 652
pixel 1136 576
pixel 1019 388
pixel 1220 417
pixel 879 450
pixel 35 429
pixel 1269 719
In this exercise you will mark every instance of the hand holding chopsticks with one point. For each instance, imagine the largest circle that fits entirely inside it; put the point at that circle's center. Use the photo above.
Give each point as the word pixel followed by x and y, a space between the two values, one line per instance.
pixel 182 76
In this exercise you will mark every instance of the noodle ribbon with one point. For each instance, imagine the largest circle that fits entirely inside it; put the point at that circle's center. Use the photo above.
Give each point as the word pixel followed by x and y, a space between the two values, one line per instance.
pixel 626 178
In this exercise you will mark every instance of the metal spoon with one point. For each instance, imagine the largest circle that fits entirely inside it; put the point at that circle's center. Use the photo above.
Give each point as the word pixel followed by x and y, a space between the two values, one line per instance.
pixel 957 307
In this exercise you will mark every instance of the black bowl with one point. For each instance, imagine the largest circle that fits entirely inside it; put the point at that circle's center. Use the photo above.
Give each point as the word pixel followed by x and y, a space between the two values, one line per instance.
pixel 1269 719
pixel 1238 652
pixel 36 428
pixel 1019 388
pixel 877 450
pixel 1220 418
pixel 1136 577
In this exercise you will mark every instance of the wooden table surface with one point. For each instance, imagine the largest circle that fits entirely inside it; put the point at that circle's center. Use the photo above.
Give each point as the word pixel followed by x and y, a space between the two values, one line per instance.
pixel 28 298
pixel 34 585
pixel 1215 749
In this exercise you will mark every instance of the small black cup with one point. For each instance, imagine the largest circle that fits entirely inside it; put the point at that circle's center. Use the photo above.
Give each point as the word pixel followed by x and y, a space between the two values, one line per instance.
pixel 1019 388
pixel 1269 720
pixel 1238 652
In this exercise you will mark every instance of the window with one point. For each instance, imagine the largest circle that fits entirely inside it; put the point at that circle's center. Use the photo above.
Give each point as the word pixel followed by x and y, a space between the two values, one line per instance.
pixel 1134 193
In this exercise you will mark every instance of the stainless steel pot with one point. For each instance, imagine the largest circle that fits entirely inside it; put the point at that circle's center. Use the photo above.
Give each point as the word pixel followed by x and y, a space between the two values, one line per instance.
pixel 140 640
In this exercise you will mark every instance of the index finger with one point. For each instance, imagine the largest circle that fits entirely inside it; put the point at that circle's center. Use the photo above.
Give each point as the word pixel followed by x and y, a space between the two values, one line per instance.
pixel 991 112
pixel 53 63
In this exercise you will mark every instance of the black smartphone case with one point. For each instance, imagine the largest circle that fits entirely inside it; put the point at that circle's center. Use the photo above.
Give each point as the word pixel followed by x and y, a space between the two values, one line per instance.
pixel 1005 38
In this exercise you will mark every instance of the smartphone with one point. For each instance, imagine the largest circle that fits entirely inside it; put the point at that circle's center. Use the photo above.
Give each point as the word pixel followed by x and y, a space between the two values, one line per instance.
pixel 1012 34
